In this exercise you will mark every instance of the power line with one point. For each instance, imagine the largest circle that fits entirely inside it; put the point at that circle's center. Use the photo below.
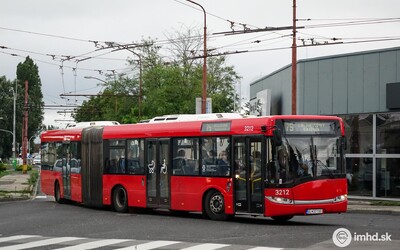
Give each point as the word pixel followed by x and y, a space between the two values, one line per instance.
pixel 299 46
pixel 352 23
pixel 232 23
pixel 63 66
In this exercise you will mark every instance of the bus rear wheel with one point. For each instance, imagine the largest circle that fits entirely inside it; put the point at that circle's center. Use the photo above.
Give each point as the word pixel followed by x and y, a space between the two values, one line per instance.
pixel 57 193
pixel 120 199
pixel 215 206
pixel 282 218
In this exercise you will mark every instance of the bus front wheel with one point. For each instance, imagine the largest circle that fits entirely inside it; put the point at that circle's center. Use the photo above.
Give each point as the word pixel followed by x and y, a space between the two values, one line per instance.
pixel 215 206
pixel 120 199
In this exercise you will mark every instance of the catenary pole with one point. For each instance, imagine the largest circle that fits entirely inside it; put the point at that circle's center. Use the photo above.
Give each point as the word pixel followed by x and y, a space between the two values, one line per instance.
pixel 294 63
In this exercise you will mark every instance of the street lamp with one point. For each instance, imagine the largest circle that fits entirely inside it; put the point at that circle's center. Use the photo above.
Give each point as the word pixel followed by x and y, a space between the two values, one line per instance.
pixel 204 93
pixel 140 81
pixel 8 131
pixel 14 104
pixel 29 144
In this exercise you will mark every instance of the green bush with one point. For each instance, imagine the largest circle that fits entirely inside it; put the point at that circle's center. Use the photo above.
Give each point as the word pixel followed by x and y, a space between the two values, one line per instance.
pixel 33 178
pixel 19 168
pixel 385 203
pixel 3 167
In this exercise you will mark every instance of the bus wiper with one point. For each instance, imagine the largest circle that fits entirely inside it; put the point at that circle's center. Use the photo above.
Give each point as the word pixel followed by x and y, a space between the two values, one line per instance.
pixel 329 171
pixel 313 156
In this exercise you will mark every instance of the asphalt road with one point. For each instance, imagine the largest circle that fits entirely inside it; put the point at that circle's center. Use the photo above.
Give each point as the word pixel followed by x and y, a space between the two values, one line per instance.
pixel 48 219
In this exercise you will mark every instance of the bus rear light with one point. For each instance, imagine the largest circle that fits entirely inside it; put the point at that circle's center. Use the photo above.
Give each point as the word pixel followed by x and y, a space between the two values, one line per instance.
pixel 279 200
pixel 340 198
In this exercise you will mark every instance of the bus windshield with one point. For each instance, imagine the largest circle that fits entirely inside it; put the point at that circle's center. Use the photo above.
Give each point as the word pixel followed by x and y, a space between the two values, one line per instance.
pixel 301 158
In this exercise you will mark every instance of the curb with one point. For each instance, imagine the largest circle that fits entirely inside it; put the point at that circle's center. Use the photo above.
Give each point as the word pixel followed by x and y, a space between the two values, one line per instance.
pixel 34 191
pixel 14 198
pixel 372 211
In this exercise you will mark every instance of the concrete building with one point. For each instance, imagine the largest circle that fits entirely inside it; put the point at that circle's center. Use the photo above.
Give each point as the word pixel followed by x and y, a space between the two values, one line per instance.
pixel 364 89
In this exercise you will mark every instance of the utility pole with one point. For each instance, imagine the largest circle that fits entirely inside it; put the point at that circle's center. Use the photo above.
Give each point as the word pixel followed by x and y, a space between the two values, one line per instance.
pixel 294 63
pixel 204 85
pixel 14 100
pixel 25 131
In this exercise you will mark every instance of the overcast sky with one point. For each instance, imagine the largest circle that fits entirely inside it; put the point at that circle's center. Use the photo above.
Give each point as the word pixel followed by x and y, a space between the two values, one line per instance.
pixel 42 28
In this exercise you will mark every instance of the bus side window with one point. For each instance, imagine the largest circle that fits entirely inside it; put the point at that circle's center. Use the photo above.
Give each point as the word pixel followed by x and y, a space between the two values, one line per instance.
pixel 186 156
pixel 135 157
pixel 215 156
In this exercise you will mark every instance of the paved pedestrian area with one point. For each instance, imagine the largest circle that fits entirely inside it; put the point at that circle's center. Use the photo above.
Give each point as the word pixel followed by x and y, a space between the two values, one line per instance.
pixel 15 186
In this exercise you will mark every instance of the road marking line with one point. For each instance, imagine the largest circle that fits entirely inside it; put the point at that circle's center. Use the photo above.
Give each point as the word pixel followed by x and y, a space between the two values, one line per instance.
pixel 150 245
pixel 41 243
pixel 265 248
pixel 17 237
pixel 41 197
pixel 208 246
pixel 94 244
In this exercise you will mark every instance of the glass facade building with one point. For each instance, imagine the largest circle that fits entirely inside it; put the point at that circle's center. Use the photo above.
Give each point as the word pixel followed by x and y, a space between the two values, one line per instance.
pixel 363 88
pixel 373 154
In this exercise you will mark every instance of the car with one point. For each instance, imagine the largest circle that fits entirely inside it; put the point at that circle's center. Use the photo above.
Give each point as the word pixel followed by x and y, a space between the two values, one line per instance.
pixel 37 160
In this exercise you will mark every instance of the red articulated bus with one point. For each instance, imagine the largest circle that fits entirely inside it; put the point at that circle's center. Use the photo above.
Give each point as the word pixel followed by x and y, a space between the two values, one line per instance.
pixel 275 166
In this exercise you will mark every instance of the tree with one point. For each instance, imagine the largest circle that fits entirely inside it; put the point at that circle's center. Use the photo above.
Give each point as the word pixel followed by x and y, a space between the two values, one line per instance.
pixel 118 102
pixel 6 114
pixel 169 87
pixel 29 71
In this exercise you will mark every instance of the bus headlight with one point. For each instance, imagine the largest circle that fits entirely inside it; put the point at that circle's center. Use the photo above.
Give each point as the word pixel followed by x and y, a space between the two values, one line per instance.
pixel 279 200
pixel 340 198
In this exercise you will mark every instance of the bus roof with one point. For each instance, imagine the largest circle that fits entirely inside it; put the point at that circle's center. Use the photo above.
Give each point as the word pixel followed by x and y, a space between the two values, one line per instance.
pixel 234 126
pixel 72 134
pixel 91 124
pixel 207 127
pixel 194 117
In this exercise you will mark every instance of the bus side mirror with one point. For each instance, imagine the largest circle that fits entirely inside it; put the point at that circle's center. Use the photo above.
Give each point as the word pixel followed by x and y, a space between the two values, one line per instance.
pixel 277 137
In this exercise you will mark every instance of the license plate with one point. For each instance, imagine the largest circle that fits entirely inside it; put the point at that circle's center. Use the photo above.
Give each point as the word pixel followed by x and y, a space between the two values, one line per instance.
pixel 314 211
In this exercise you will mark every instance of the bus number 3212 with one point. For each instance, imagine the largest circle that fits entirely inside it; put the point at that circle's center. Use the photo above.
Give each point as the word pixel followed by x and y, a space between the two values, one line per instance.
pixel 282 192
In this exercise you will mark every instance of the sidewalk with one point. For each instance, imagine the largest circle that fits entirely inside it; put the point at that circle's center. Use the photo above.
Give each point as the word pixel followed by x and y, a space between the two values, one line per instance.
pixel 365 207
pixel 15 186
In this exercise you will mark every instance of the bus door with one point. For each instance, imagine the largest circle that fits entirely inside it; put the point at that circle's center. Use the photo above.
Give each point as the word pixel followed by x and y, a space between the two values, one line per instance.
pixel 249 157
pixel 66 170
pixel 157 172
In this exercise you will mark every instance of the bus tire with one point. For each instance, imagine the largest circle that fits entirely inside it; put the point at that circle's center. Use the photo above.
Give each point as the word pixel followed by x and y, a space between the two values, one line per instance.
pixel 120 199
pixel 215 206
pixel 57 193
pixel 282 218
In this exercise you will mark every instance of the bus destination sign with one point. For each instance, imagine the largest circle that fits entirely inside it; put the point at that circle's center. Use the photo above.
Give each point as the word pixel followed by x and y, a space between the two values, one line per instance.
pixel 310 127
pixel 216 127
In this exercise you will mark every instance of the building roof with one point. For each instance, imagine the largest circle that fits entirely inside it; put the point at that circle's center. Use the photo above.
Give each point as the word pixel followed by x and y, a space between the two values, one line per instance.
pixel 326 57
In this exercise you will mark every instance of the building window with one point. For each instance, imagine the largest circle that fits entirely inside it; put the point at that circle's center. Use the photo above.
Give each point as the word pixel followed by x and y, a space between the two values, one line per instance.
pixel 359 176
pixel 388 177
pixel 388 133
pixel 358 129
pixel 366 156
